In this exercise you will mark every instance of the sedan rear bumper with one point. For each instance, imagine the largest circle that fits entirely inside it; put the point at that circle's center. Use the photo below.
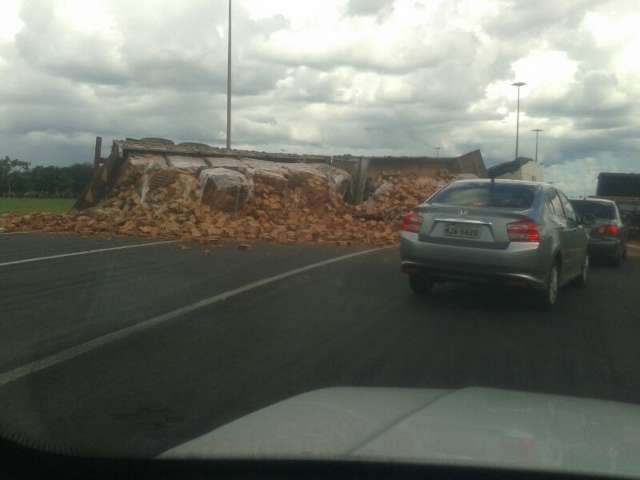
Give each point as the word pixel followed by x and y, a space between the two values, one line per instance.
pixel 467 275
pixel 518 263
pixel 607 247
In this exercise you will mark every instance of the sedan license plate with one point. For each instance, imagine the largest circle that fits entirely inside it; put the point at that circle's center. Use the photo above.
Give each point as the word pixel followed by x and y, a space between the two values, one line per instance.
pixel 461 231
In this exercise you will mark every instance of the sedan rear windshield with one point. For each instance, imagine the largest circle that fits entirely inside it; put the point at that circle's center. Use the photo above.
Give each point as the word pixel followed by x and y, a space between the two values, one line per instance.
pixel 499 195
pixel 594 209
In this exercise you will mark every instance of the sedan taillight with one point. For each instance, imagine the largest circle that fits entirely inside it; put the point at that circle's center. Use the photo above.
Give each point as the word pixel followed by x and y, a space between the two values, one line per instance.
pixel 606 231
pixel 412 222
pixel 523 231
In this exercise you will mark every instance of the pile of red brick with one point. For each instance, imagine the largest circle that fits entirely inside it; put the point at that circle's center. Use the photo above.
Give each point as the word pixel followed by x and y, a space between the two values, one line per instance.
pixel 311 212
pixel 393 194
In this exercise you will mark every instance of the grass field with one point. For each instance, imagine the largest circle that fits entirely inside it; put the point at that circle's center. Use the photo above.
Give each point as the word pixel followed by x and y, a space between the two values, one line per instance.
pixel 33 205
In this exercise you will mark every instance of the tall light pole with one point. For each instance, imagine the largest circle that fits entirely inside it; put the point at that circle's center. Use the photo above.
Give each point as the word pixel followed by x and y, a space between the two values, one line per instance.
pixel 537 130
pixel 229 81
pixel 518 85
pixel 437 149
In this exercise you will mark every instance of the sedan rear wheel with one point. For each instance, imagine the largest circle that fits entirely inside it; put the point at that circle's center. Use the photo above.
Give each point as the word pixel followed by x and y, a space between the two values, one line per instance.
pixel 617 260
pixel 420 285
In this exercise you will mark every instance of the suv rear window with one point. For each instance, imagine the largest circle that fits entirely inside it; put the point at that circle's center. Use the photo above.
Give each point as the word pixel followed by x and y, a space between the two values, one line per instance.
pixel 500 195
pixel 595 209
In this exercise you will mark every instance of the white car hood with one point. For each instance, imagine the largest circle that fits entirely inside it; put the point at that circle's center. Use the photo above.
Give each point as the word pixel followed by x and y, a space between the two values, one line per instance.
pixel 472 426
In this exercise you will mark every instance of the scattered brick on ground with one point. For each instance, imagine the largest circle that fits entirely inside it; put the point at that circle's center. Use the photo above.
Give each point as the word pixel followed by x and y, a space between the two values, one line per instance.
pixel 301 209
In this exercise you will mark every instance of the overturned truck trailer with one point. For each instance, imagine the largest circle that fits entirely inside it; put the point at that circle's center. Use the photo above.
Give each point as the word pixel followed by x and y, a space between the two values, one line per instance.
pixel 158 162
pixel 153 163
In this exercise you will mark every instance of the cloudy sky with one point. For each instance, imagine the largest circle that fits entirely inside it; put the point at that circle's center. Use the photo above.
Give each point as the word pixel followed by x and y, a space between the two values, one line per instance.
pixel 344 76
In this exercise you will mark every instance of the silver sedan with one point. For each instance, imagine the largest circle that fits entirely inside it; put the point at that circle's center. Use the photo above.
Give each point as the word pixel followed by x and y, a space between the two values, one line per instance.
pixel 506 231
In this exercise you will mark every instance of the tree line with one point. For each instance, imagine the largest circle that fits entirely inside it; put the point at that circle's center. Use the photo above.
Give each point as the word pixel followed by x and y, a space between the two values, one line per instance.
pixel 18 179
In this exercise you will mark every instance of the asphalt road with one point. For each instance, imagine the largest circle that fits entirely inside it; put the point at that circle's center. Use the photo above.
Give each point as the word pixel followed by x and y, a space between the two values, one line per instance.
pixel 108 352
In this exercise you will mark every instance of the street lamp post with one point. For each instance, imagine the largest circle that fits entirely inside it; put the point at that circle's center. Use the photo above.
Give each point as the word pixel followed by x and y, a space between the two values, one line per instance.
pixel 518 85
pixel 537 131
pixel 437 149
pixel 229 81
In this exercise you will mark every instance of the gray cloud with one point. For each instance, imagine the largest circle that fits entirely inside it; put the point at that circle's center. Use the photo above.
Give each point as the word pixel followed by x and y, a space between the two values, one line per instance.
pixel 46 45
pixel 425 49
pixel 596 92
pixel 523 18
pixel 367 7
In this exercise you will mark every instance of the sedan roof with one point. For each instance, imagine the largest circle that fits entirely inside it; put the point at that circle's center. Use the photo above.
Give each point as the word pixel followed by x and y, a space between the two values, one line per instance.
pixel 595 200
pixel 505 181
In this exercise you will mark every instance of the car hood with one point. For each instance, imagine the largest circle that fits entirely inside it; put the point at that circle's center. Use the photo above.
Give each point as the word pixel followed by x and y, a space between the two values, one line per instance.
pixel 471 426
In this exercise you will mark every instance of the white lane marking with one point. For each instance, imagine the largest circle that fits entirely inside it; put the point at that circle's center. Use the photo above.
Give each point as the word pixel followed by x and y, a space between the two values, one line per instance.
pixel 78 350
pixel 85 252
pixel 633 245
pixel 13 233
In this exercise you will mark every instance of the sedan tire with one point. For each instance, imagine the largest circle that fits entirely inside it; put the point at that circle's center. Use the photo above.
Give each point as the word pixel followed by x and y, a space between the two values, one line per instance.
pixel 549 296
pixel 617 260
pixel 581 280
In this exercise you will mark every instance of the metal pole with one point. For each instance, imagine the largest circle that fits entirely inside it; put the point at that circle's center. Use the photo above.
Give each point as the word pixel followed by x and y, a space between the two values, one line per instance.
pixel 518 122
pixel 518 85
pixel 229 81
pixel 537 130
pixel 437 152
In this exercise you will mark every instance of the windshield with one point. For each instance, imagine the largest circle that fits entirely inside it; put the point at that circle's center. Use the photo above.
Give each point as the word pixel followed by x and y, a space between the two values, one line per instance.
pixel 485 194
pixel 594 209
pixel 322 229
